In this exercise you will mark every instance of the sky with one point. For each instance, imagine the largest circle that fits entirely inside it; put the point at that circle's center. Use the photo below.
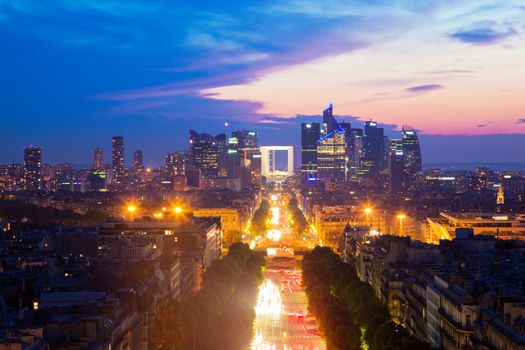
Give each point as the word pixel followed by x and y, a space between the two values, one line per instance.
pixel 74 73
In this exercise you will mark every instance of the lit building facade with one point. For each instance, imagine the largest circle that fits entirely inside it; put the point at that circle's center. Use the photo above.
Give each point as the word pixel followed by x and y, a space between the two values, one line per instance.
pixel 137 161
pixel 207 153
pixel 374 146
pixel 117 158
pixel 176 163
pixel 412 155
pixel 98 159
pixel 33 168
pixel 331 149
pixel 396 167
pixel 310 134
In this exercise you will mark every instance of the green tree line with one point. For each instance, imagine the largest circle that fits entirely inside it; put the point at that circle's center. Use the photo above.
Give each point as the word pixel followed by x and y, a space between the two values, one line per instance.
pixel 299 222
pixel 221 314
pixel 261 219
pixel 18 210
pixel 348 312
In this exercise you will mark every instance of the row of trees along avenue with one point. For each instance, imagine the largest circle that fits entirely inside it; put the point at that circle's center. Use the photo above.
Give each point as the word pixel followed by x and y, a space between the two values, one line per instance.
pixel 261 219
pixel 299 222
pixel 221 314
pixel 349 314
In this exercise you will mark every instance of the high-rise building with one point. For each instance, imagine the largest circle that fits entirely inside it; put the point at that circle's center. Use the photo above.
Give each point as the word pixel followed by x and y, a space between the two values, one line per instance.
pixel 117 158
pixel 374 145
pixel 98 159
pixel 354 151
pixel 329 122
pixel 396 167
pixel 176 163
pixel 331 149
pixel 137 161
pixel 234 158
pixel 249 155
pixel 310 135
pixel 33 168
pixel 412 154
pixel 208 153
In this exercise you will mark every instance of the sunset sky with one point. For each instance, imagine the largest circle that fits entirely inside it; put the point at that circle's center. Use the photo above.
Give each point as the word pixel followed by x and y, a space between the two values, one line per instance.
pixel 74 73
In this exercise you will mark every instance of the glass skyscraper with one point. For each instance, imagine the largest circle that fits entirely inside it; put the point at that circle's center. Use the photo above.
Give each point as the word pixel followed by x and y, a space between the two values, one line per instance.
pixel 310 134
pixel 207 153
pixel 412 156
pixel 374 147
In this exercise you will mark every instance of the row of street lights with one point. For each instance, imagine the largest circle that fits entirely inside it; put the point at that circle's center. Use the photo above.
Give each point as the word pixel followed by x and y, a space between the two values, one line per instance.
pixel 400 217
pixel 132 208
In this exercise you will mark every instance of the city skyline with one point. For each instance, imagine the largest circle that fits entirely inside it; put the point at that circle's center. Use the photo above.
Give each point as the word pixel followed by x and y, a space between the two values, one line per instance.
pixel 450 70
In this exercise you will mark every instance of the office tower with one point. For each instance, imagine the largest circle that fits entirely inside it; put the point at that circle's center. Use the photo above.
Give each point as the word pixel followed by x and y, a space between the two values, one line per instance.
pixel 117 158
pixel 396 167
pixel 137 161
pixel 33 168
pixel 354 151
pixel 207 153
pixel 329 122
pixel 98 159
pixel 310 134
pixel 176 163
pixel 249 156
pixel 412 153
pixel 234 158
pixel 331 149
pixel 374 146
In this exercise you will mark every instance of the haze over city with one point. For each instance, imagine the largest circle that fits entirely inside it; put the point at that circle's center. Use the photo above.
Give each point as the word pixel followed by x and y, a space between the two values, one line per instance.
pixel 262 175
pixel 76 73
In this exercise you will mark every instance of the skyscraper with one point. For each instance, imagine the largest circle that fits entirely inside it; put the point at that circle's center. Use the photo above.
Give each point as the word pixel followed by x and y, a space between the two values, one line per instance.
pixel 137 161
pixel 354 151
pixel 33 168
pixel 310 134
pixel 176 163
pixel 249 155
pixel 374 145
pixel 329 122
pixel 396 167
pixel 98 159
pixel 412 154
pixel 117 158
pixel 207 153
pixel 331 149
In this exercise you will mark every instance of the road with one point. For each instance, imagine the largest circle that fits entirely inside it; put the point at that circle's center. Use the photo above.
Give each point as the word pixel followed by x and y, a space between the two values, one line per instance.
pixel 281 321
pixel 281 315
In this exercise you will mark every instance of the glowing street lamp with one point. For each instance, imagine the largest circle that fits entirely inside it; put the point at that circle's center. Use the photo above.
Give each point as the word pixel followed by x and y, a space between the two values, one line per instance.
pixel 131 210
pixel 368 211
pixel 177 210
pixel 401 217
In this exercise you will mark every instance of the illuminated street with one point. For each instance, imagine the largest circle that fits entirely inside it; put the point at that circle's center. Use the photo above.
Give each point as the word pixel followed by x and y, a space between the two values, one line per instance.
pixel 281 321
pixel 281 312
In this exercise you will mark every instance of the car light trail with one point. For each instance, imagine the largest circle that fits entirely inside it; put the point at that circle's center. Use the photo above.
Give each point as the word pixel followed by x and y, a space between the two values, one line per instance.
pixel 269 299
pixel 274 235
pixel 275 215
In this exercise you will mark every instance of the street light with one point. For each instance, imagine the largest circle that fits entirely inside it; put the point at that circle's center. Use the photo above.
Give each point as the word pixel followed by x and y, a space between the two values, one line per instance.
pixel 131 210
pixel 401 217
pixel 177 210
pixel 368 211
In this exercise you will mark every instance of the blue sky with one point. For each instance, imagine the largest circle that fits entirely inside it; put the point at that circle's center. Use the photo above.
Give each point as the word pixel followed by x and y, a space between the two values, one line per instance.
pixel 74 73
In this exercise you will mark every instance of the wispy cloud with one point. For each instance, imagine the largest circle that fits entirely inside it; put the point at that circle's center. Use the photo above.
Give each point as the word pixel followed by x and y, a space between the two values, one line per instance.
pixel 520 121
pixel 424 88
pixel 483 35
pixel 483 125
